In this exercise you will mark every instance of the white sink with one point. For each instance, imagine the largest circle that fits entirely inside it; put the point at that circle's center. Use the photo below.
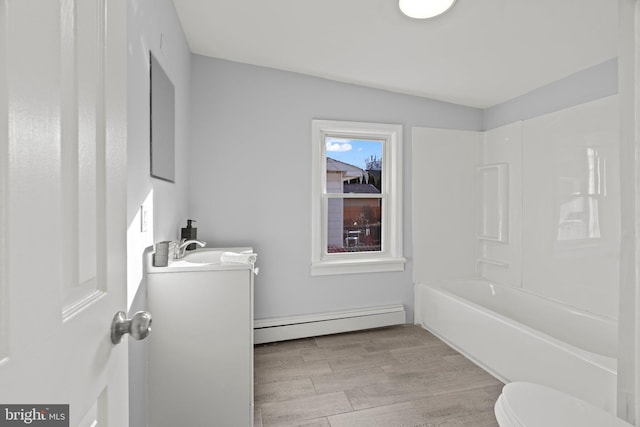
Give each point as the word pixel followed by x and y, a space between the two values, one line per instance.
pixel 203 256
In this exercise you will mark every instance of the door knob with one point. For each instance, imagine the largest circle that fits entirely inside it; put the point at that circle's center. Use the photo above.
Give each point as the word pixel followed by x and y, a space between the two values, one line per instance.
pixel 138 326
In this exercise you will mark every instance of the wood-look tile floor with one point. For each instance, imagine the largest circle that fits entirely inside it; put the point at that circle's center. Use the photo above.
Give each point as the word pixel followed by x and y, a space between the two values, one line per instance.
pixel 395 376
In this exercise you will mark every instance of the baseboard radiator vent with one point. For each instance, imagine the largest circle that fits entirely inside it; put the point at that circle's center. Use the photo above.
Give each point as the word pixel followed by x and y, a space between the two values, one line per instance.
pixel 313 325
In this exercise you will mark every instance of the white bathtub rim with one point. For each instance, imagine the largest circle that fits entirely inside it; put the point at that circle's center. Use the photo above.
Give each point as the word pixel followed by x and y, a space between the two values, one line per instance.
pixel 601 361
pixel 574 308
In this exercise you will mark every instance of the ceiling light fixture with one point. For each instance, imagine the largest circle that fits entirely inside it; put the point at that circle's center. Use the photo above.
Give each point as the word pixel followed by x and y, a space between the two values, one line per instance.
pixel 422 9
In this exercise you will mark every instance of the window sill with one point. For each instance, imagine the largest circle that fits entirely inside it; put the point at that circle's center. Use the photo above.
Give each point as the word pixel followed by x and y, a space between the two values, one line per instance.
pixel 368 265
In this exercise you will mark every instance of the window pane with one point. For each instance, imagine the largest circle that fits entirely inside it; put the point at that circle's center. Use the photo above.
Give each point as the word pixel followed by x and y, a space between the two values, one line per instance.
pixel 354 225
pixel 353 166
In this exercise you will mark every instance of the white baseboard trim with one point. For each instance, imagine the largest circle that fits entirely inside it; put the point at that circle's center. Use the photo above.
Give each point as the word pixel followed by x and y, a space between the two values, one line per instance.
pixel 313 325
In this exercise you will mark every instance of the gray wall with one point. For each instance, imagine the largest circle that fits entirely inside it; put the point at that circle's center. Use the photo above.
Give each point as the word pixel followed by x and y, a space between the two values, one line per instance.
pixel 167 202
pixel 250 180
pixel 587 85
pixel 149 21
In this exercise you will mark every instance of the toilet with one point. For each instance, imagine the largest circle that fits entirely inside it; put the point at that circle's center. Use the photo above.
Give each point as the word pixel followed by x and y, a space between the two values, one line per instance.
pixel 524 404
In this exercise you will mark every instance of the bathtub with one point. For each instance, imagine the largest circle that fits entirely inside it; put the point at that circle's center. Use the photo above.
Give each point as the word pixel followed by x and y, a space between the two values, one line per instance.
pixel 518 336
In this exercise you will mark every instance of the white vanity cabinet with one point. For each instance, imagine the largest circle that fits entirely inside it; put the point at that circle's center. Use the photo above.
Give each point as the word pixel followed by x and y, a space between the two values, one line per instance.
pixel 201 346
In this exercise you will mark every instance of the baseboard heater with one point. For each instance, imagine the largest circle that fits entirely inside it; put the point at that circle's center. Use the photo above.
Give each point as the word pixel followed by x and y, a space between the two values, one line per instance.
pixel 313 325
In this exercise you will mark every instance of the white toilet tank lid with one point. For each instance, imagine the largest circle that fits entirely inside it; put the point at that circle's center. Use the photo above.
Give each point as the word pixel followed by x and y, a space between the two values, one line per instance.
pixel 534 405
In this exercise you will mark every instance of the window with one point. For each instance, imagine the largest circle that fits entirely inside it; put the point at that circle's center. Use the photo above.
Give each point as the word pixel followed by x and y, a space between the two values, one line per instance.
pixel 356 197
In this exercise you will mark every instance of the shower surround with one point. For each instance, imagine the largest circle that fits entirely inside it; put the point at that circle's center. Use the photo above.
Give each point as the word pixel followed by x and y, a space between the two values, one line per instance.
pixel 545 197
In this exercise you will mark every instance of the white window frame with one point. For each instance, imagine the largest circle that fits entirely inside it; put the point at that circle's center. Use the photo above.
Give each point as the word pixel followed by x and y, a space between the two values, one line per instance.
pixel 390 257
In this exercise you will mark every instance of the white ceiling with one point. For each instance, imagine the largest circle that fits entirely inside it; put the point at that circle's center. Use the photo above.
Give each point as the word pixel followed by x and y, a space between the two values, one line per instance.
pixel 480 53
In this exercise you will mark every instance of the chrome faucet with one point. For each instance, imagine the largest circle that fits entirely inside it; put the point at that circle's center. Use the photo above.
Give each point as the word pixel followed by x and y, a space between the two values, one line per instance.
pixel 182 247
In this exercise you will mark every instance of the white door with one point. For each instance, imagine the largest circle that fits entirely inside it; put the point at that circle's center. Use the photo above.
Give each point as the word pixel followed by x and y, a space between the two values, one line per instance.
pixel 62 207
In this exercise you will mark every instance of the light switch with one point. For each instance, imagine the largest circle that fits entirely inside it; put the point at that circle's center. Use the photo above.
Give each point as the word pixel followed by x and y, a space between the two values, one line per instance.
pixel 144 219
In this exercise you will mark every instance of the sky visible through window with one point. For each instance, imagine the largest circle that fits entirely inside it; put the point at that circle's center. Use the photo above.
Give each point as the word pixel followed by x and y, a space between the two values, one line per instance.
pixel 353 151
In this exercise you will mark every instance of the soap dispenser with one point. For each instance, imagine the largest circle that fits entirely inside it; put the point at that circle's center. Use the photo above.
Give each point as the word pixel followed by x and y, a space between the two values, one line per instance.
pixel 190 233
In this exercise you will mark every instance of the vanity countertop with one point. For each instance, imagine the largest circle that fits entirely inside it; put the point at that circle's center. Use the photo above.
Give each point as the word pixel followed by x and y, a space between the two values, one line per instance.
pixel 201 259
